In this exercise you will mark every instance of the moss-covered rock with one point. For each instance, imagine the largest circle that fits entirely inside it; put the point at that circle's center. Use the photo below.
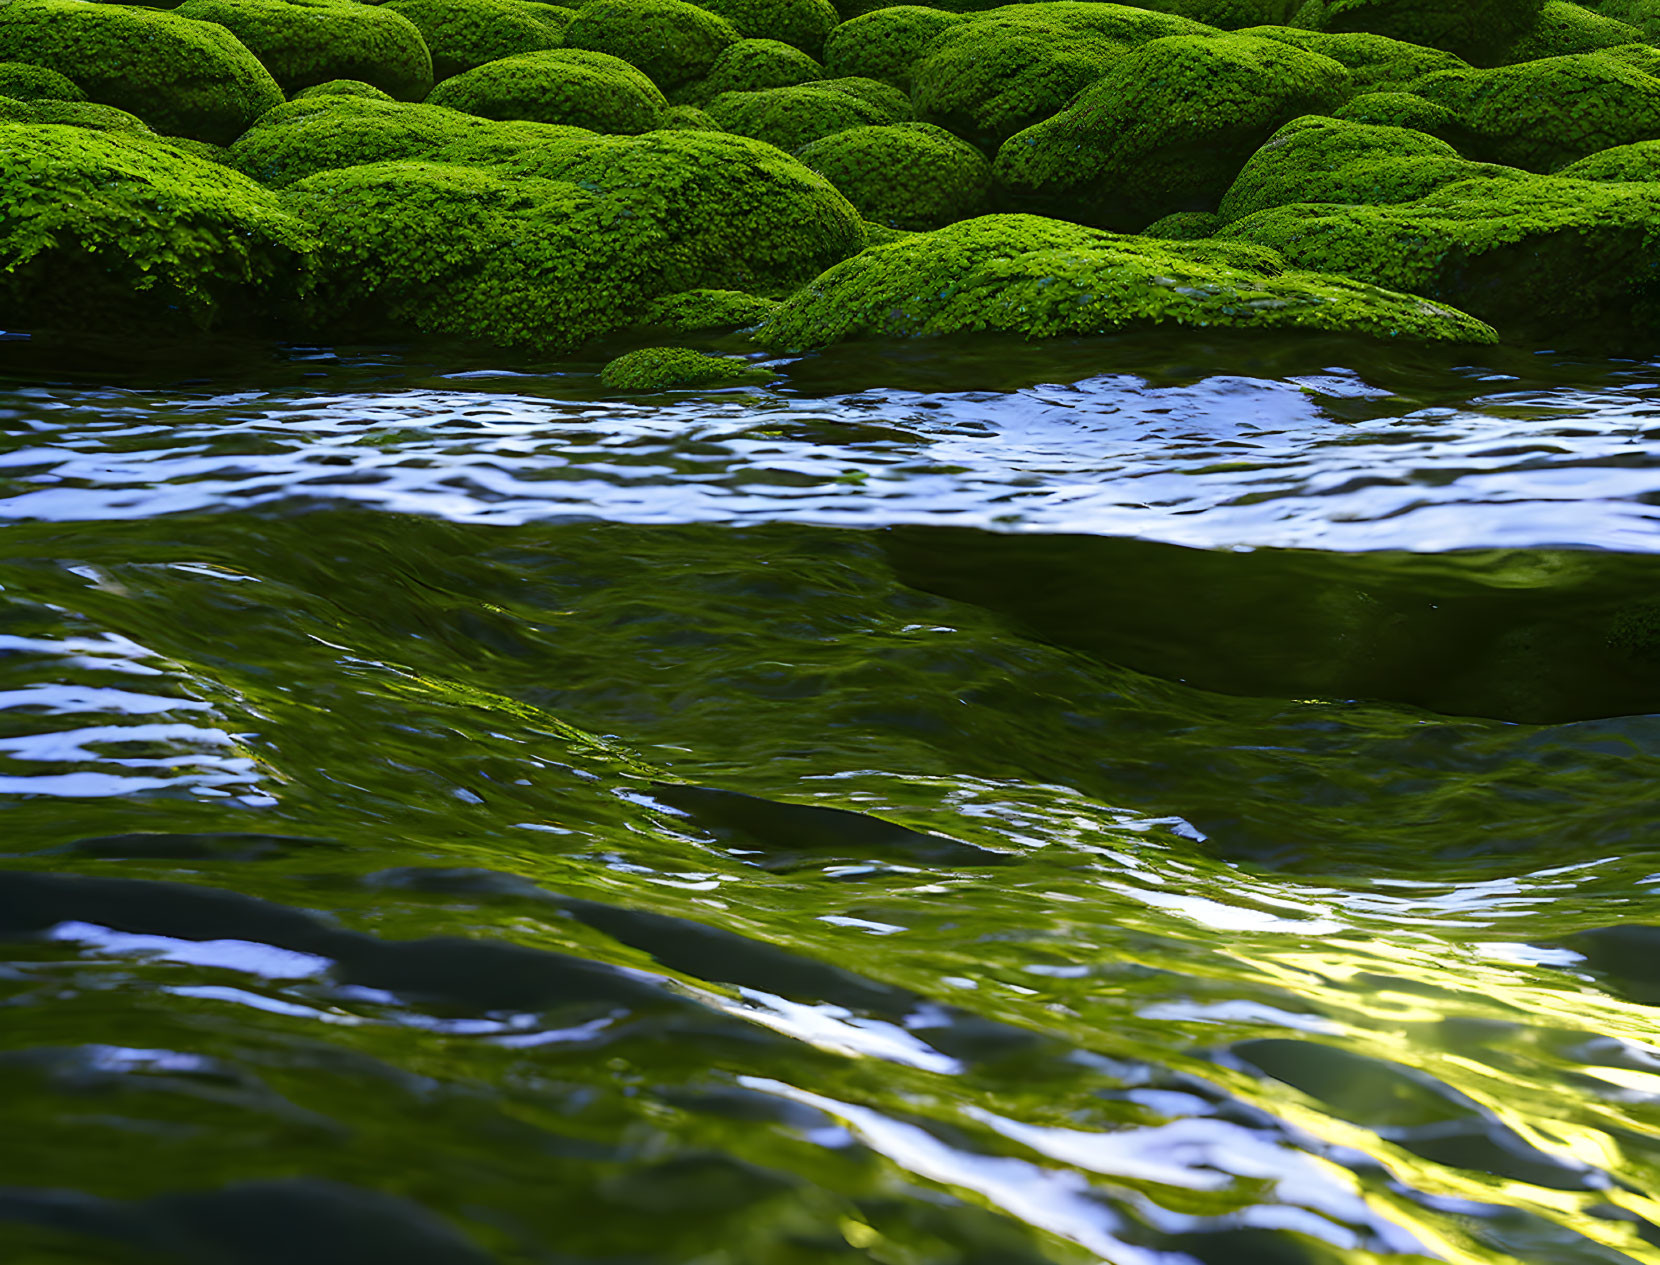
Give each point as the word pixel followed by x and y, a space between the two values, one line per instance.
pixel 1375 63
pixel 1642 14
pixel 564 85
pixel 462 34
pixel 1545 114
pixel 791 117
pixel 1012 67
pixel 1038 277
pixel 700 311
pixel 1562 28
pixel 803 24
pixel 100 118
pixel 687 118
pixel 1166 129
pixel 887 43
pixel 22 82
pixel 906 175
pixel 307 42
pixel 1232 15
pixel 315 134
pixel 343 88
pixel 673 42
pixel 1336 161
pixel 1622 164
pixel 1476 30
pixel 754 66
pixel 1184 226
pixel 1402 109
pixel 109 229
pixel 181 77
pixel 1540 254
pixel 658 368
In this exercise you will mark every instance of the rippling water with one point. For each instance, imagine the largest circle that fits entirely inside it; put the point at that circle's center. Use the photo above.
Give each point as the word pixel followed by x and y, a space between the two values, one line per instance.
pixel 1143 800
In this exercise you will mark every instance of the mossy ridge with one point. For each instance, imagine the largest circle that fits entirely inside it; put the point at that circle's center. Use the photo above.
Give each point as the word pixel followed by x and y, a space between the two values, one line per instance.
pixel 111 229
pixel 1166 129
pixel 791 117
pixel 1375 63
pixel 911 176
pixel 1543 115
pixel 688 118
pixel 1044 278
pixel 659 368
pixel 1562 28
pixel 1331 160
pixel 1476 30
pixel 570 86
pixel 803 24
pixel 302 137
pixel 1009 68
pixel 1538 254
pixel 182 77
pixel 673 42
pixel 88 114
pixel 24 82
pixel 306 42
pixel 462 34
pixel 1184 226
pixel 342 88
pixel 1624 164
pixel 1403 109
pixel 886 44
pixel 752 66
pixel 702 311
pixel 1642 14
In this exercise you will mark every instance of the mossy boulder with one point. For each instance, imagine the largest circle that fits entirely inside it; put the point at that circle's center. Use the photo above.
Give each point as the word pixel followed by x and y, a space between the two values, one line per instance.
pixel 100 118
pixel 700 311
pixel 104 229
pixel 673 42
pixel 182 77
pixel 1622 164
pixel 791 117
pixel 1232 15
pixel 1005 70
pixel 22 82
pixel 887 43
pixel 753 66
pixel 1166 129
pixel 1476 30
pixel 1184 226
pixel 1642 14
pixel 565 85
pixel 1402 109
pixel 803 24
pixel 343 88
pixel 315 134
pixel 1537 255
pixel 1043 278
pixel 462 34
pixel 1562 28
pixel 307 42
pixel 688 118
pixel 906 175
pixel 659 368
pixel 1375 63
pixel 1545 114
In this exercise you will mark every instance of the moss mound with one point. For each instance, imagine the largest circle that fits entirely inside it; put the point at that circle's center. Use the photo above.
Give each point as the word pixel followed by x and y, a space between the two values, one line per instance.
pixel 1543 115
pixel 306 42
pixel 22 82
pixel 315 134
pixel 1622 164
pixel 181 77
pixel 1232 15
pixel 697 311
pixel 673 42
pixel 803 24
pixel 688 118
pixel 566 85
pixel 791 117
pixel 1336 161
pixel 886 44
pixel 1166 129
pixel 1184 226
pixel 1536 254
pixel 657 368
pixel 1563 28
pixel 1402 109
pixel 343 88
pixel 1642 14
pixel 1476 30
pixel 100 118
pixel 1375 63
pixel 1038 277
pixel 462 34
pixel 102 229
pixel 1005 70
pixel 907 175
pixel 754 66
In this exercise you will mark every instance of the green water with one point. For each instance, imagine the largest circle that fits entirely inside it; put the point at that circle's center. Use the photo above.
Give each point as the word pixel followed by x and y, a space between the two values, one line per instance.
pixel 1141 802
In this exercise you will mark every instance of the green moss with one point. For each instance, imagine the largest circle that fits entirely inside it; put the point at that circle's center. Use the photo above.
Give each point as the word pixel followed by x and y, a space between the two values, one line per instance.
pixel 1642 14
pixel 306 42
pixel 1375 63
pixel 1000 72
pixel 887 43
pixel 200 149
pixel 673 42
pixel 658 368
pixel 1166 129
pixel 791 117
pixel 884 96
pixel 1184 226
pixel 566 85
pixel 804 24
pixel 100 118
pixel 1634 631
pixel 1232 15
pixel 181 77
pixel 881 234
pixel 1042 278
pixel 303 137
pixel 1402 109
pixel 109 229
pixel 22 82
pixel 1562 28
pixel 754 66
pixel 688 118
pixel 907 175
pixel 462 34
pixel 697 311
pixel 1475 30
pixel 1543 115
pixel 1537 254
pixel 1622 164
pixel 343 88
pixel 1336 161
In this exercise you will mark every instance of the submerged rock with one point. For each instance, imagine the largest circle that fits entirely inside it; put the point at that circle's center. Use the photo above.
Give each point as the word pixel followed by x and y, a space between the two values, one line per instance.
pixel 905 175
pixel 1042 278
pixel 571 86
pixel 656 368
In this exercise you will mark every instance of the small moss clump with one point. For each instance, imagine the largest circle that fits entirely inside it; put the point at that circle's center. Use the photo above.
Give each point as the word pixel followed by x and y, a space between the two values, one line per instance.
pixel 791 117
pixel 887 43
pixel 700 311
pixel 22 82
pixel 912 176
pixel 673 42
pixel 315 134
pixel 181 77
pixel 1623 164
pixel 803 24
pixel 1166 129
pixel 571 86
pixel 462 34
pixel 754 66
pixel 306 42
pixel 658 368
pixel 343 88
pixel 1042 278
